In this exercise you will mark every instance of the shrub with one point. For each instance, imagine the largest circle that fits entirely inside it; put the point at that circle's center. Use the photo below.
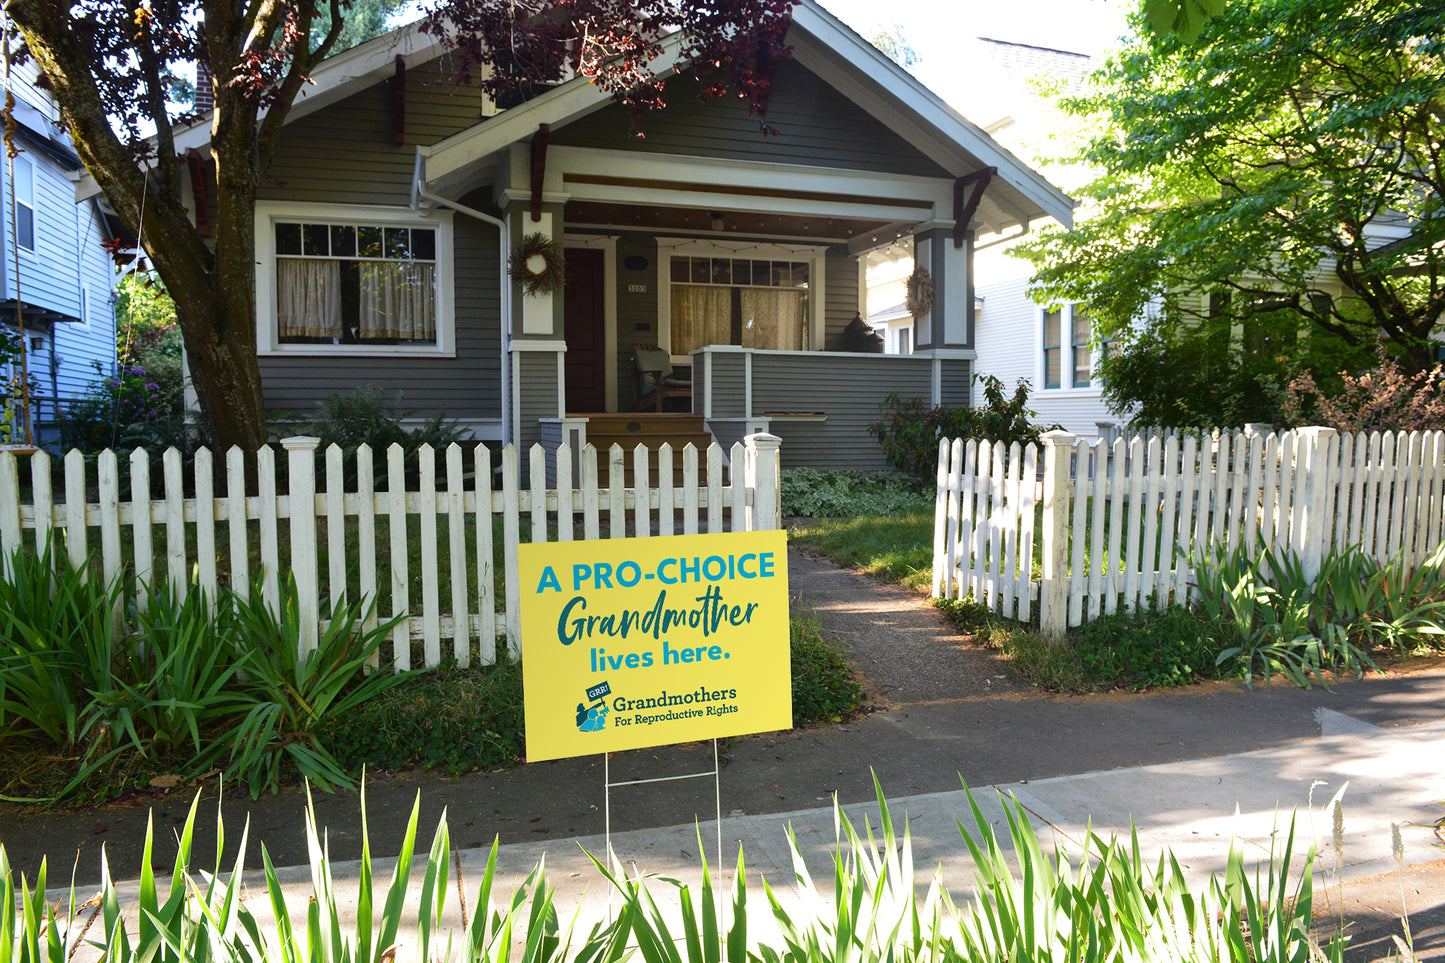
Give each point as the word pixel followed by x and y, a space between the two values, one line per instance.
pixel 1154 647
pixel 819 493
pixel 824 689
pixel 1384 398
pixel 123 411
pixel 1287 623
pixel 366 417
pixel 447 718
pixel 910 431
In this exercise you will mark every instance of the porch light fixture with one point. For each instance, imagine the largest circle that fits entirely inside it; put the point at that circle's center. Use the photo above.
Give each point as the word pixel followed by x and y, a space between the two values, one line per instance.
pixel 717 221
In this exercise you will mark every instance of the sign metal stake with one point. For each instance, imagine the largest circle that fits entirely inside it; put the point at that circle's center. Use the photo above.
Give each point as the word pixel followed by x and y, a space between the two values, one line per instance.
pixel 717 802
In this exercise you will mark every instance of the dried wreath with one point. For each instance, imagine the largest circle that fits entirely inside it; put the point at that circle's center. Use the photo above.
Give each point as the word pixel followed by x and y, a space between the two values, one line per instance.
pixel 539 264
pixel 919 297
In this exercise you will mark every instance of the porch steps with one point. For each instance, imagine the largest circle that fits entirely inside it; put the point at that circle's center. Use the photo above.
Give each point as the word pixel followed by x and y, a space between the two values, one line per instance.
pixel 652 429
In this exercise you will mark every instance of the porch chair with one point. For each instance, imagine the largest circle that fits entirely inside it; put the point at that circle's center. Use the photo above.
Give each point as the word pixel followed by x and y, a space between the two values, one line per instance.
pixel 655 380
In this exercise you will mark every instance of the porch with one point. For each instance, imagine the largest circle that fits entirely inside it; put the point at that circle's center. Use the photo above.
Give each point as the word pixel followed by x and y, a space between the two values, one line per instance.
pixel 819 402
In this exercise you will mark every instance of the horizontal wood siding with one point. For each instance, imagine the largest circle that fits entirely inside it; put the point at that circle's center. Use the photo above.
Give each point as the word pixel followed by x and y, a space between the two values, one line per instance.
pixel 846 388
pixel 78 345
pixel 729 390
pixel 539 393
pixel 47 275
pixel 816 125
pixel 955 381
pixel 465 387
pixel 840 281
pixel 360 132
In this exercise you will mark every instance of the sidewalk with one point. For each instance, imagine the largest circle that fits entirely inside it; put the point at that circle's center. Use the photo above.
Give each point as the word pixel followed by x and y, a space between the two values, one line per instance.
pixel 1178 764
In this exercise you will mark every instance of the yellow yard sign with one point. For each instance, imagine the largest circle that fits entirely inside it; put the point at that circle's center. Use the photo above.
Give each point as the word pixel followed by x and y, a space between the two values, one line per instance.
pixel 637 642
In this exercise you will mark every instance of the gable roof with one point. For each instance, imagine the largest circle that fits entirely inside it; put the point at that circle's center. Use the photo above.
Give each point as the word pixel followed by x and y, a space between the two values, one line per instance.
pixel 821 42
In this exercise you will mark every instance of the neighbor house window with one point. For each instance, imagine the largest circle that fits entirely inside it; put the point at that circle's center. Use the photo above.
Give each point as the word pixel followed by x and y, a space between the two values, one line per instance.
pixel 1053 358
pixel 750 302
pixel 336 278
pixel 1068 351
pixel 24 202
pixel 1079 347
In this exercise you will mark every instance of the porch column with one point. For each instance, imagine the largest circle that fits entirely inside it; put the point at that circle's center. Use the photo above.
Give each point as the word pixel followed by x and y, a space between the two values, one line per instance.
pixel 950 323
pixel 535 345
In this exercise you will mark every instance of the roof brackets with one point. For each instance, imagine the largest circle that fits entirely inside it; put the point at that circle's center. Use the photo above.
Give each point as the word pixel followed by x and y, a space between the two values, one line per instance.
pixel 963 211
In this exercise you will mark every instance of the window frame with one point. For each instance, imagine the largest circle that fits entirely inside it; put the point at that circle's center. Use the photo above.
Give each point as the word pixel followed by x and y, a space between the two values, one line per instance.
pixel 20 160
pixel 670 247
pixel 268 213
pixel 1075 346
pixel 1068 350
pixel 1056 346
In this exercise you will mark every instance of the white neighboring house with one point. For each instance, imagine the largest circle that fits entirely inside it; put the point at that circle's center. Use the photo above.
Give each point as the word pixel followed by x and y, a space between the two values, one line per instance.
pixel 1054 350
pixel 886 270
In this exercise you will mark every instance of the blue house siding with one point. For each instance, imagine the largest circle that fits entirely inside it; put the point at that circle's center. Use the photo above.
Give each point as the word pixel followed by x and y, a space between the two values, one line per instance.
pixel 64 284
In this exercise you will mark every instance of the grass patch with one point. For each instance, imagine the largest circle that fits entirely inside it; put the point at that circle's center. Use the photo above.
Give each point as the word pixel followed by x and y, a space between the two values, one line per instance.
pixel 448 718
pixel 898 548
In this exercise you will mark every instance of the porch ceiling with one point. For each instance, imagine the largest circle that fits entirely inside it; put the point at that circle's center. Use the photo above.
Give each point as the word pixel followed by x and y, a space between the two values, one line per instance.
pixel 741 223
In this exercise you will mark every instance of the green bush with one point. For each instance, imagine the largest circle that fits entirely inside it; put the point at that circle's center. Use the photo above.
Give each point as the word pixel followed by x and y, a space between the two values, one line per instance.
pixel 1154 647
pixel 367 417
pixel 910 430
pixel 824 689
pixel 821 493
pixel 181 685
pixel 1302 628
pixel 448 718
pixel 126 410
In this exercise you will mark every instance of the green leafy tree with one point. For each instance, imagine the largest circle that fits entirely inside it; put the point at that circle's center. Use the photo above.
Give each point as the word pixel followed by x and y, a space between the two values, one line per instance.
pixel 1270 195
pixel 891 40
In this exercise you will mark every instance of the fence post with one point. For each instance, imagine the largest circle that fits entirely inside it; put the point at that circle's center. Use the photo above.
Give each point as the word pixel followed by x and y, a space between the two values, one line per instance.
pixel 763 479
pixel 1054 586
pixel 301 488
pixel 1313 459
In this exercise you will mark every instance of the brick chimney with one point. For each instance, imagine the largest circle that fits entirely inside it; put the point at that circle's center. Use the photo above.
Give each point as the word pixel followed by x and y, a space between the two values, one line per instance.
pixel 205 89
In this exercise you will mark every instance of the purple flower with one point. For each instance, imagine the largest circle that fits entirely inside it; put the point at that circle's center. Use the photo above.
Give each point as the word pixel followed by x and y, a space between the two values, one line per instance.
pixel 152 386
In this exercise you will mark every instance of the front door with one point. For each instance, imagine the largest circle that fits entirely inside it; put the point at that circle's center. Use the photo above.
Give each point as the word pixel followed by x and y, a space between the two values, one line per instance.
pixel 583 313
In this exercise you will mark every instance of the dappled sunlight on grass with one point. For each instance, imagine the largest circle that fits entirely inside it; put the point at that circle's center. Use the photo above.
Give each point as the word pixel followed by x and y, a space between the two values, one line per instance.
pixel 898 548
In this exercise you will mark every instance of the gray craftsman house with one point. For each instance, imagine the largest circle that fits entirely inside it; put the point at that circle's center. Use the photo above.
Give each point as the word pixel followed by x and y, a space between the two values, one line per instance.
pixel 388 220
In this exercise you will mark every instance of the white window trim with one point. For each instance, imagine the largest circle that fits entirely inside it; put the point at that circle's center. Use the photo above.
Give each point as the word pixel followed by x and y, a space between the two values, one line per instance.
pixel 815 255
pixel 18 161
pixel 268 213
pixel 1065 347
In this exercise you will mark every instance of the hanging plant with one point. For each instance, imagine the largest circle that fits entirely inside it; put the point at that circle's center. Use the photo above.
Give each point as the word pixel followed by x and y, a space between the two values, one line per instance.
pixel 919 299
pixel 539 264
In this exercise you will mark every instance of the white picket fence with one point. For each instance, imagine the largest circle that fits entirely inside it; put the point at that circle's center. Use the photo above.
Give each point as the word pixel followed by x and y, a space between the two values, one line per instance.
pixel 1120 524
pixel 222 535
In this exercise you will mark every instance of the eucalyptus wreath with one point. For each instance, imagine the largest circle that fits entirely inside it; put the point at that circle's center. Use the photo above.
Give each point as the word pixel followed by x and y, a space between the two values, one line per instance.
pixel 919 297
pixel 538 280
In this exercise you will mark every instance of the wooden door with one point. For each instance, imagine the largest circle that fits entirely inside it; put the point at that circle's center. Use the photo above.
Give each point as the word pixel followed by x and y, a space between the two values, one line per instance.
pixel 585 331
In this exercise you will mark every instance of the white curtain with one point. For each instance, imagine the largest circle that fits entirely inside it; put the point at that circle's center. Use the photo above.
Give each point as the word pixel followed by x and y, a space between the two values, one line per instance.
pixel 773 318
pixel 700 316
pixel 308 298
pixel 398 300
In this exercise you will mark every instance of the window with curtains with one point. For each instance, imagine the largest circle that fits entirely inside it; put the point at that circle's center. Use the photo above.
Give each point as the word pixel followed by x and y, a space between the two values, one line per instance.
pixel 355 283
pixel 751 302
